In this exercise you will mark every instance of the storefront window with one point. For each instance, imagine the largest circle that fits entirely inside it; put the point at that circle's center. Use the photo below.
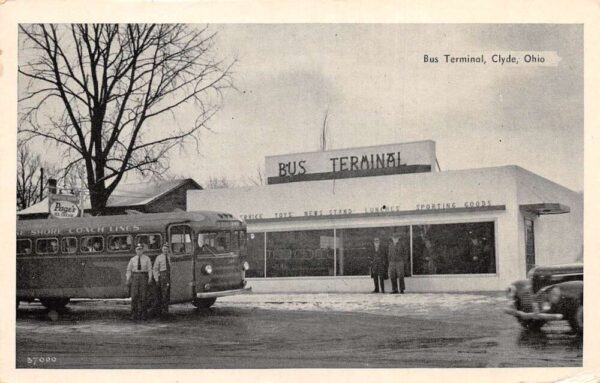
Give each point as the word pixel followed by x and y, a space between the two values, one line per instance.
pixel 354 246
pixel 460 248
pixel 255 255
pixel 300 253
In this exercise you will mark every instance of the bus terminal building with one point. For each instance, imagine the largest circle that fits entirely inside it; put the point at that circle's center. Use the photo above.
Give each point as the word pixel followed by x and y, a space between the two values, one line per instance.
pixel 480 229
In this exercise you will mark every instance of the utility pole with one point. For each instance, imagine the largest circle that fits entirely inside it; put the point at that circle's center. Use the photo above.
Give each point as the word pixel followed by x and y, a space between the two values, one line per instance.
pixel 41 184
pixel 324 133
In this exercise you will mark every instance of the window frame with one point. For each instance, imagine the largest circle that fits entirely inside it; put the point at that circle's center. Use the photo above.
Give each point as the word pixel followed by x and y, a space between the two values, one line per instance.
pixel 47 253
pixel 171 242
pixel 130 245
pixel 159 235
pixel 89 251
pixel 76 245
pixel 30 246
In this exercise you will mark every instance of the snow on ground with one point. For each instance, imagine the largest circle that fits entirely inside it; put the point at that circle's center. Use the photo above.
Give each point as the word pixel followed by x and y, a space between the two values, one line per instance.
pixel 421 304
pixel 418 305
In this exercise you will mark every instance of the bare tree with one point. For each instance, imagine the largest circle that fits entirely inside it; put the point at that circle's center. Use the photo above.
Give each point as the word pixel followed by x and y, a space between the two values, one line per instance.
pixel 259 178
pixel 30 186
pixel 97 90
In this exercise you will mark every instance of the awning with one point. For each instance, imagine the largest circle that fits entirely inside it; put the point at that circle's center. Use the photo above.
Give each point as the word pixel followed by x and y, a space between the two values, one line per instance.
pixel 545 208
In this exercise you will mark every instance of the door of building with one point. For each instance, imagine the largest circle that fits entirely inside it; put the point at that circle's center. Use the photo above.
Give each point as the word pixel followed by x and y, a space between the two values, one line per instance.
pixel 529 244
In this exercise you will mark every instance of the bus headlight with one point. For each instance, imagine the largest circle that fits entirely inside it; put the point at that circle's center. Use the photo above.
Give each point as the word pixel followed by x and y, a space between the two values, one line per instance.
pixel 245 266
pixel 207 269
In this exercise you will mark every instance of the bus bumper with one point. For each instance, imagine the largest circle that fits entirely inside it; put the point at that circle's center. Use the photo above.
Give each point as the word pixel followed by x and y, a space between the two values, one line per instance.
pixel 217 294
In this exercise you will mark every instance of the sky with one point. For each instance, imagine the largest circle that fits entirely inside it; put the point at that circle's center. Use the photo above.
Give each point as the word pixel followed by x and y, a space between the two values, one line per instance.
pixel 373 83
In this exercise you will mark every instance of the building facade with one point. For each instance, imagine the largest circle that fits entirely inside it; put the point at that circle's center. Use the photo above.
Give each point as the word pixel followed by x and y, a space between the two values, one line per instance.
pixel 147 197
pixel 467 230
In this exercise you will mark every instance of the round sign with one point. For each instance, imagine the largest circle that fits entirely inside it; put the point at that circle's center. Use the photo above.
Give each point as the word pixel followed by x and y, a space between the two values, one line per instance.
pixel 64 209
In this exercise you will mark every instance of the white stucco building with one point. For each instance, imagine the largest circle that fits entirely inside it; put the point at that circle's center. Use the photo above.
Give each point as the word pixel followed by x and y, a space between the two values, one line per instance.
pixel 467 230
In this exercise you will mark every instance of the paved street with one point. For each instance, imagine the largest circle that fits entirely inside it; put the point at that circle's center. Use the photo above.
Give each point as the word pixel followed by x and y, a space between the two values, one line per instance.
pixel 295 331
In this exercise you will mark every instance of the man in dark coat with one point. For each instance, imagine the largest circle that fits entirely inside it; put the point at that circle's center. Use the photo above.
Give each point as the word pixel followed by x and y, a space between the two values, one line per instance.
pixel 378 260
pixel 398 254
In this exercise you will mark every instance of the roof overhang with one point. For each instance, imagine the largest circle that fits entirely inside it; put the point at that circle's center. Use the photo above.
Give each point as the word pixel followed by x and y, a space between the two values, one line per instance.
pixel 545 208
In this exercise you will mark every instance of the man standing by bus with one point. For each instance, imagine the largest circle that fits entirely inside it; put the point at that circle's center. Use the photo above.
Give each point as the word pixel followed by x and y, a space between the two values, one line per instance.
pixel 139 276
pixel 162 276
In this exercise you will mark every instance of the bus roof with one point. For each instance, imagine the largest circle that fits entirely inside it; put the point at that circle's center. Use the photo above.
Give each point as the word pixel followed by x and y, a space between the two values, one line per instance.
pixel 126 223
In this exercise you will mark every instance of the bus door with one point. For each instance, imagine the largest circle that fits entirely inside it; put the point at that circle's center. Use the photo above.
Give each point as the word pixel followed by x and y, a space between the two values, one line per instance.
pixel 182 263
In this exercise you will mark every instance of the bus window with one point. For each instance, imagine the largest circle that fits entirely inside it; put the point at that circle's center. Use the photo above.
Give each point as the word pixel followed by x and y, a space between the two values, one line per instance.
pixel 68 245
pixel 214 242
pixel 120 243
pixel 149 241
pixel 24 246
pixel 46 246
pixel 235 240
pixel 93 244
pixel 243 237
pixel 181 239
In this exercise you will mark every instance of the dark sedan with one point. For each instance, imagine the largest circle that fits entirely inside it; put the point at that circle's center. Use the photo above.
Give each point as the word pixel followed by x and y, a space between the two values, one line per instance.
pixel 549 293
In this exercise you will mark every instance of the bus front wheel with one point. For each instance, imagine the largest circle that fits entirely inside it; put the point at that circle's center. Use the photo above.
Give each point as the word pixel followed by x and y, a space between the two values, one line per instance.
pixel 55 303
pixel 204 303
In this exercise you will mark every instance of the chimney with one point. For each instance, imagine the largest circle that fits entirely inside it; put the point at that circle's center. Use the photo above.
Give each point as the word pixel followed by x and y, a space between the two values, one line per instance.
pixel 51 186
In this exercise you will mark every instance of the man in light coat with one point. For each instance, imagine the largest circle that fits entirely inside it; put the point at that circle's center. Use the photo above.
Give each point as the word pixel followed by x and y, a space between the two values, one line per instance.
pixel 139 276
pixel 162 276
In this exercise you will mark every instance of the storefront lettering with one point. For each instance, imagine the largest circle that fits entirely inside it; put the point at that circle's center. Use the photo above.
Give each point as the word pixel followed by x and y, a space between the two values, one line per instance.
pixel 313 213
pixel 382 209
pixel 340 211
pixel 365 162
pixel 436 206
pixel 478 203
pixel 251 216
pixel 292 168
pixel 452 205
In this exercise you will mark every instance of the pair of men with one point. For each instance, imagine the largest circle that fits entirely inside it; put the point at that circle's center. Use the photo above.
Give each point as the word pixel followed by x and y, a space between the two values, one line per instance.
pixel 140 273
pixel 388 261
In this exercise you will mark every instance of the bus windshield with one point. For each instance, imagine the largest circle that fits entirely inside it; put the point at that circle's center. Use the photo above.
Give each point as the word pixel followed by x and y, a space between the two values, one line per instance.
pixel 216 242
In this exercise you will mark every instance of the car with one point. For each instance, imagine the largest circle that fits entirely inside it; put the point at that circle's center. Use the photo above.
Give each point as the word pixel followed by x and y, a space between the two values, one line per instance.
pixel 549 293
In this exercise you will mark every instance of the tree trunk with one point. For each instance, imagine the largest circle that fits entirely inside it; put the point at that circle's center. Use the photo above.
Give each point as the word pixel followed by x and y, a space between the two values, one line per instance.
pixel 98 198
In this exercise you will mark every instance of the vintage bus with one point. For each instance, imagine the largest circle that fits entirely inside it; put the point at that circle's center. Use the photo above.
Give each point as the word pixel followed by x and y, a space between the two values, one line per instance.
pixel 61 259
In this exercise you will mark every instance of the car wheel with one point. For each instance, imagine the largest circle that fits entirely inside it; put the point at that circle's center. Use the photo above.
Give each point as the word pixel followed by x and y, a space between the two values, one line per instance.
pixel 204 303
pixel 55 303
pixel 576 320
pixel 532 324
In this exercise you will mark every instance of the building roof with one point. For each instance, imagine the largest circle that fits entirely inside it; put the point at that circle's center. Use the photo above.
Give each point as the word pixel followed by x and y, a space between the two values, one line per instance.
pixel 126 195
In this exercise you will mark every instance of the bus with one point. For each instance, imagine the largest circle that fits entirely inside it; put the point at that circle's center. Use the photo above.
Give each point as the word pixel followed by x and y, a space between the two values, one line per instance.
pixel 87 257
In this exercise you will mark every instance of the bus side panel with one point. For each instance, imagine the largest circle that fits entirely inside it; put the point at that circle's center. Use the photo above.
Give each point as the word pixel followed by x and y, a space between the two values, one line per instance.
pixel 182 278
pixel 104 277
pixel 85 276
pixel 35 274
